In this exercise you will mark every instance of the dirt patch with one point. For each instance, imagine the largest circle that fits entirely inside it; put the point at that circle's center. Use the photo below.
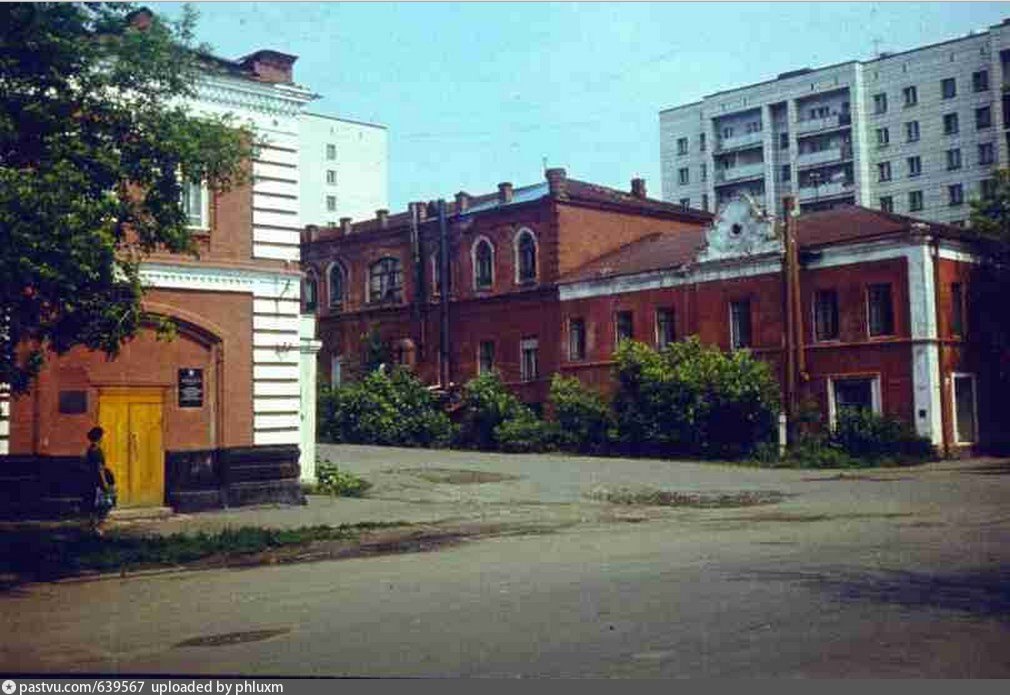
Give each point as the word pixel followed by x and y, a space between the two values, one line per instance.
pixel 456 476
pixel 695 500
pixel 796 517
pixel 856 477
pixel 229 638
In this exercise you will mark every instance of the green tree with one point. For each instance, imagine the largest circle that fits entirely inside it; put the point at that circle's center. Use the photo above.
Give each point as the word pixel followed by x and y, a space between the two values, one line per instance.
pixel 95 143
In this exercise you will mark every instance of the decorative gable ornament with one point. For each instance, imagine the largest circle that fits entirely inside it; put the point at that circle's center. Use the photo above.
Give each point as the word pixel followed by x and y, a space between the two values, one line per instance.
pixel 742 228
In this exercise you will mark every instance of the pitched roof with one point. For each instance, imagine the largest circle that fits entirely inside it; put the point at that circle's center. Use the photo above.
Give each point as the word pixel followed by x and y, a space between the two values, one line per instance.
pixel 844 224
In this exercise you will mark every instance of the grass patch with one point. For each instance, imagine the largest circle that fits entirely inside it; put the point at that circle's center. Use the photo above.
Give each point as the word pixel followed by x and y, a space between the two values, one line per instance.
pixel 695 500
pixel 45 554
pixel 457 476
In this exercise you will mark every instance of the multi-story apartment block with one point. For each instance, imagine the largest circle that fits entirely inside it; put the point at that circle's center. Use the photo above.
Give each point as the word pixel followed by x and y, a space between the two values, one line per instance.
pixel 344 170
pixel 918 133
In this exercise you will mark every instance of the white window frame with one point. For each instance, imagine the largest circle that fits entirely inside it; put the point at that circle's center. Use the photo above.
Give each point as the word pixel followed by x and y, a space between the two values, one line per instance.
pixel 524 345
pixel 473 262
pixel 336 370
pixel 204 224
pixel 331 177
pixel 523 231
pixel 326 202
pixel 875 399
pixel 480 367
pixel 974 406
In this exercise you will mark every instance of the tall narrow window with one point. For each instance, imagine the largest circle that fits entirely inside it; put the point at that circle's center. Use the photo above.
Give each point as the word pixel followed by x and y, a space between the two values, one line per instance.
pixel 880 310
pixel 912 131
pixel 485 360
pixel 665 330
pixel 577 339
pixel 526 254
pixel 887 203
pixel 957 310
pixel 826 315
pixel 914 166
pixel 483 270
pixel 880 103
pixel 739 324
pixel 528 367
pixel 915 201
pixel 965 416
pixel 385 281
pixel 980 81
pixel 948 88
pixel 311 293
pixel 911 96
pixel 623 327
pixel 194 204
pixel 331 152
pixel 336 282
pixel 950 126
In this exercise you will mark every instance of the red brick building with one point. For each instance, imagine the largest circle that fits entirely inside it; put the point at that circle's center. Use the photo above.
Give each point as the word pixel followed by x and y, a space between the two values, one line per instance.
pixel 883 300
pixel 505 253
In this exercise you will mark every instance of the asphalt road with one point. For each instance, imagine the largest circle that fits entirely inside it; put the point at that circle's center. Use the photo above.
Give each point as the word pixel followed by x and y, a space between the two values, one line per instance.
pixel 899 573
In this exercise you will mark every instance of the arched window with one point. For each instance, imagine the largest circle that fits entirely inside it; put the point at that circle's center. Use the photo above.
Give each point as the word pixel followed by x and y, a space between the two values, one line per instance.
pixel 526 256
pixel 385 281
pixel 483 265
pixel 310 292
pixel 336 286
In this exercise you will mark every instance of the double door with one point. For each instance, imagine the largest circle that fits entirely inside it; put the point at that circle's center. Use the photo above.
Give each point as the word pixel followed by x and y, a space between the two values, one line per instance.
pixel 132 420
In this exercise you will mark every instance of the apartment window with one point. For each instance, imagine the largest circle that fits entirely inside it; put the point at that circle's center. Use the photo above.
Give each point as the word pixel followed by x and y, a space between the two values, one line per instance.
pixel 727 132
pixel 859 393
pixel 577 339
pixel 683 176
pixel 987 188
pixel 879 103
pixel 881 311
pixel 681 145
pixel 965 414
pixel 914 166
pixel 485 357
pixel 883 137
pixel 335 280
pixel 331 177
pixel 704 172
pixel 310 293
pixel 783 141
pixel 825 315
pixel 957 309
pixel 623 326
pixel 331 152
pixel 739 324
pixel 528 368
pixel 986 153
pixel 912 131
pixel 483 268
pixel 385 281
pixel 701 142
pixel 955 194
pixel 884 171
pixel 948 88
pixel 983 118
pixel 950 126
pixel 754 127
pixel 980 81
pixel 685 202
pixel 665 333
pixel 915 201
pixel 954 159
pixel 911 96
pixel 331 203
pixel 195 204
pixel 887 203
pixel 704 202
pixel 786 172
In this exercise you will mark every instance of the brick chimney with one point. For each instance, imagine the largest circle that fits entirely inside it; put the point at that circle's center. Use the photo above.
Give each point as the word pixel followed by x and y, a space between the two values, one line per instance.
pixel 270 66
pixel 382 215
pixel 345 225
pixel 557 182
pixel 504 192
pixel 422 211
pixel 310 233
pixel 462 201
pixel 638 188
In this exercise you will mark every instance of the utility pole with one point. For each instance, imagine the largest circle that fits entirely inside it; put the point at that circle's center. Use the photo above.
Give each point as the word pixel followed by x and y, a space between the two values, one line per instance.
pixel 795 362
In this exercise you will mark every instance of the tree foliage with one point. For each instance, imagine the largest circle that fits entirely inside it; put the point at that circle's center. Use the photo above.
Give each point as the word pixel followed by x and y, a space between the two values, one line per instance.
pixel 95 142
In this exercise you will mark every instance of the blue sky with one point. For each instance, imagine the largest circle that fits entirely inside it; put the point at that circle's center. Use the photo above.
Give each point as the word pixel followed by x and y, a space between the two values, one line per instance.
pixel 477 93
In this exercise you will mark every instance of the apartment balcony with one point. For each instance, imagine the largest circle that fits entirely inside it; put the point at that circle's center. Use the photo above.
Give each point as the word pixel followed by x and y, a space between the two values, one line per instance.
pixel 740 173
pixel 817 125
pixel 826 190
pixel 739 142
pixel 831 156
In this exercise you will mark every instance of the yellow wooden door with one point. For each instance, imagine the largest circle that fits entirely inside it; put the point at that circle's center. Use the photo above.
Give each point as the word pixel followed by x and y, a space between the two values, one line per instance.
pixel 132 420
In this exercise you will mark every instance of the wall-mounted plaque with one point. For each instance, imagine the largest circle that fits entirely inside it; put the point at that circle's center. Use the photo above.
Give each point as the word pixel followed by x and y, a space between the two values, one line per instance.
pixel 190 388
pixel 73 402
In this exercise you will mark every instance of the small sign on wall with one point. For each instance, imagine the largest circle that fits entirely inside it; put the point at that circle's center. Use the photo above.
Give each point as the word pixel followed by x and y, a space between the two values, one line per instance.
pixel 190 388
pixel 73 402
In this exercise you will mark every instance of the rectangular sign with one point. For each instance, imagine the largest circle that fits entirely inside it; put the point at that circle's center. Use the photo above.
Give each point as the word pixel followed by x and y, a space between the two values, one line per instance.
pixel 190 388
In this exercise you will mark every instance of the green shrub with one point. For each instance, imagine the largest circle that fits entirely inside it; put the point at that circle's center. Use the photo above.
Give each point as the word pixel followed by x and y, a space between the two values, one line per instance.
pixel 526 433
pixel 486 405
pixel 866 435
pixel 584 420
pixel 330 480
pixel 387 409
pixel 693 399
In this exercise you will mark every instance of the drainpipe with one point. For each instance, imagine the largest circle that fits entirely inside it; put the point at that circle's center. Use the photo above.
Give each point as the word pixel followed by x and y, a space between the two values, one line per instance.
pixel 944 415
pixel 420 295
pixel 444 370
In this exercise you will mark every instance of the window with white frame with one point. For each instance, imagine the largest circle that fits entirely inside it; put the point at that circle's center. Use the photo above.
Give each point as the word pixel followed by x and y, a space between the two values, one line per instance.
pixel 683 176
pixel 883 137
pixel 331 203
pixel 911 95
pixel 962 389
pixel 528 367
pixel 739 324
pixel 336 370
pixel 914 166
pixel 196 204
pixel 485 357
pixel 852 393
pixel 681 145
pixel 883 171
pixel 331 177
